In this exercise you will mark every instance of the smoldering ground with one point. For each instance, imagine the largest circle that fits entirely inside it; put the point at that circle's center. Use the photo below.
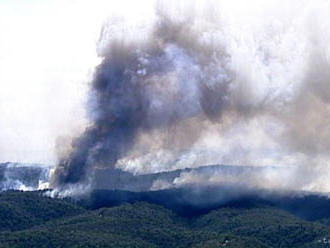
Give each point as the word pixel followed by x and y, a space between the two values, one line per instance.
pixel 209 83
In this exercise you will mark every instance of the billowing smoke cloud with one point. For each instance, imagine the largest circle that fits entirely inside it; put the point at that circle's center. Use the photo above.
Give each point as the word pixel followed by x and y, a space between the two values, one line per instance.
pixel 208 84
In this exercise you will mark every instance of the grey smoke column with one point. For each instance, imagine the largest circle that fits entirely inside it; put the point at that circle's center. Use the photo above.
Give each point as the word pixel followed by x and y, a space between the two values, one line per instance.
pixel 252 86
pixel 166 79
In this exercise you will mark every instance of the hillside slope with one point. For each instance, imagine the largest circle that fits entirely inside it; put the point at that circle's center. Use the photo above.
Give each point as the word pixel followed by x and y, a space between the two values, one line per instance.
pixel 28 219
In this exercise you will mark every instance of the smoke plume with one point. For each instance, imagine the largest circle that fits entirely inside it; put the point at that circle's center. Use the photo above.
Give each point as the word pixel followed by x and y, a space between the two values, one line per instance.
pixel 209 83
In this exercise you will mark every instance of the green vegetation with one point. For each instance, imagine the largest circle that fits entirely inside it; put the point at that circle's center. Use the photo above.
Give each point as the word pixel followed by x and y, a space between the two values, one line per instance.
pixel 21 210
pixel 29 219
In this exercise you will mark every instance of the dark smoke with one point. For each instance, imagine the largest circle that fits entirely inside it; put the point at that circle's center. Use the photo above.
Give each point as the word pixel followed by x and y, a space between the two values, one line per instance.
pixel 119 110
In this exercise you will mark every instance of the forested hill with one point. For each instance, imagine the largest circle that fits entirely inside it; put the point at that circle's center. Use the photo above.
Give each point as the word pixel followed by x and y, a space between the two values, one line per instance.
pixel 30 219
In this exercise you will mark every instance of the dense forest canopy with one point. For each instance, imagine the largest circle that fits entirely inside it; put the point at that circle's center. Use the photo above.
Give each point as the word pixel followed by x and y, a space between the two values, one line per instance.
pixel 31 219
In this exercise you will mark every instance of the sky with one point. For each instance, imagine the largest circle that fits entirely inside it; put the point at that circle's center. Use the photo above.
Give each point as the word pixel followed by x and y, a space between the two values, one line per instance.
pixel 47 55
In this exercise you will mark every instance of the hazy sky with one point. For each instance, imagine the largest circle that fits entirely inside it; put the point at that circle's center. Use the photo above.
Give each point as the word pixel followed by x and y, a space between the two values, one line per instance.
pixel 47 52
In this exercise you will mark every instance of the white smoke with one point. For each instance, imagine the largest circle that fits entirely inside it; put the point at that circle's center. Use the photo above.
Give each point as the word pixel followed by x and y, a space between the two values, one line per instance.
pixel 276 57
pixel 24 177
pixel 277 62
pixel 277 179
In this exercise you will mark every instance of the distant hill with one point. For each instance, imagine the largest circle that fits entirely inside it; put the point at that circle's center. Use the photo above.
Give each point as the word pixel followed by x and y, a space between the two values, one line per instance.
pixel 30 219
pixel 20 176
pixel 110 179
